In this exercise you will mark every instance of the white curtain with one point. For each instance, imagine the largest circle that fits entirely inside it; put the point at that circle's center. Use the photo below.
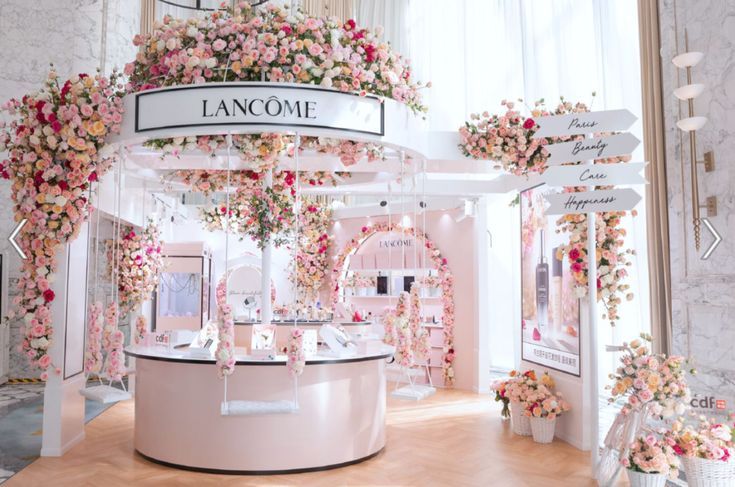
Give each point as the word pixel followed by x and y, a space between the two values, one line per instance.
pixel 479 52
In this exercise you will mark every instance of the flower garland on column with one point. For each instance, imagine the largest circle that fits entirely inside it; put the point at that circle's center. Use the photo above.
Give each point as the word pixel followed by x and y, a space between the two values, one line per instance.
pixel 139 266
pixel 112 342
pixel 404 335
pixel 444 275
pixel 389 327
pixel 56 147
pixel 93 354
pixel 310 267
pixel 508 138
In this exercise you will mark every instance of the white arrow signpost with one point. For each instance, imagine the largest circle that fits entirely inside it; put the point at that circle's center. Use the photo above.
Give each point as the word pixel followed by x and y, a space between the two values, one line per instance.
pixel 12 241
pixel 593 148
pixel 600 174
pixel 589 149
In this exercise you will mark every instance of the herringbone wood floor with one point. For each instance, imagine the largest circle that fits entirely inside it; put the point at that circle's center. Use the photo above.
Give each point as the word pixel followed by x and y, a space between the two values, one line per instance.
pixel 452 439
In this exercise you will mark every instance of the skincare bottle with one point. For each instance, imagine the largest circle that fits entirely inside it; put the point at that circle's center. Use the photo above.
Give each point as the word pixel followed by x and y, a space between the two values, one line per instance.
pixel 542 289
pixel 556 286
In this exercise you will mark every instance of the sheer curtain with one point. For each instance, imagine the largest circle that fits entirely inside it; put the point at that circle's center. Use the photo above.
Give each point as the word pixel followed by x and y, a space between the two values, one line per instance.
pixel 479 52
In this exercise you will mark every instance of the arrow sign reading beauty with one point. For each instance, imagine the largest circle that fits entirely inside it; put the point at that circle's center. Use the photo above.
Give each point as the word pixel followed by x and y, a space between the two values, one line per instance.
pixel 595 175
pixel 583 123
pixel 592 201
pixel 12 241
pixel 593 148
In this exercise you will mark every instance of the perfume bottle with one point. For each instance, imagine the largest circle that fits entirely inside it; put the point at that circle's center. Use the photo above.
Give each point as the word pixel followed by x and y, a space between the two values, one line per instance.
pixel 556 286
pixel 542 289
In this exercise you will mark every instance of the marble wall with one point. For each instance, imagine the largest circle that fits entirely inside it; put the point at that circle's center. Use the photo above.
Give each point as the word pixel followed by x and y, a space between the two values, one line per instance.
pixel 76 36
pixel 703 291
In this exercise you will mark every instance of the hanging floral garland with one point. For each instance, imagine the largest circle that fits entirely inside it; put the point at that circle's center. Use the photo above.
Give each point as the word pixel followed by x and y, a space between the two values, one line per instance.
pixel 93 353
pixel 509 139
pixel 310 267
pixel 295 358
pixel 56 145
pixel 139 266
pixel 215 218
pixel 141 328
pixel 112 342
pixel 404 335
pixel 420 335
pixel 444 275
pixel 389 327
pixel 225 354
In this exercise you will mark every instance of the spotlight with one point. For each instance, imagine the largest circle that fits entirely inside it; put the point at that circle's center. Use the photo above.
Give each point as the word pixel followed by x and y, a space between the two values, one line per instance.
pixel 383 203
pixel 422 204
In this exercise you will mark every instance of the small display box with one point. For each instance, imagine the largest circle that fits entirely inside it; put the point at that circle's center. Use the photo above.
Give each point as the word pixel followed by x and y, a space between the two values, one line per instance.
pixel 183 300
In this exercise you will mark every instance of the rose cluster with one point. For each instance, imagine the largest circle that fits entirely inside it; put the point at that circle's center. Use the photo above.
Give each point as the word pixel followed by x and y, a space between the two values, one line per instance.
pixel 310 265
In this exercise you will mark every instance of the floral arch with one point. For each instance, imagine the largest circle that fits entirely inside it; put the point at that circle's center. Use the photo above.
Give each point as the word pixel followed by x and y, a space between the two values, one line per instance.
pixel 445 277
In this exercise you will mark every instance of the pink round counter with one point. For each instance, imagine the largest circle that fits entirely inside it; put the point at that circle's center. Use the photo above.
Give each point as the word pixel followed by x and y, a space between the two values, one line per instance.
pixel 340 421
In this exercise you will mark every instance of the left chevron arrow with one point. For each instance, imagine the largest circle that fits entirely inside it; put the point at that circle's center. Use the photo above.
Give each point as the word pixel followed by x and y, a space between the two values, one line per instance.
pixel 12 241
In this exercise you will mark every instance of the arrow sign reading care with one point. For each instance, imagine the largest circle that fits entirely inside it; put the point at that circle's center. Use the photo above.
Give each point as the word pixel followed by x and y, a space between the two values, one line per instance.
pixel 593 148
pixel 592 201
pixel 595 175
pixel 583 123
pixel 12 241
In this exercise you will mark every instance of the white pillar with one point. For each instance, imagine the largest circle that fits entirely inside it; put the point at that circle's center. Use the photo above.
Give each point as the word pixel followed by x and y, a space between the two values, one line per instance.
pixel 63 406
pixel 266 310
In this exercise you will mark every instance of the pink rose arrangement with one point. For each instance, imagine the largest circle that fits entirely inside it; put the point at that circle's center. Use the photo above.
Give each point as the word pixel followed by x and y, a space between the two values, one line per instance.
pixel 420 335
pixel 217 217
pixel 542 403
pixel 140 262
pixel 710 440
pixel 404 336
pixel 649 454
pixel 141 329
pixel 295 358
pixel 112 342
pixel 271 217
pixel 55 143
pixel 272 44
pixel 225 354
pixel 93 353
pixel 444 275
pixel 310 266
pixel 654 380
pixel 389 327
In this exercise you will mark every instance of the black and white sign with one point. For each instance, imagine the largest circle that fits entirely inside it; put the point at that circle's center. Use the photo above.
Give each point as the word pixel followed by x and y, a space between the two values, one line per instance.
pixel 242 104
pixel 592 201
pixel 595 175
pixel 583 123
pixel 592 148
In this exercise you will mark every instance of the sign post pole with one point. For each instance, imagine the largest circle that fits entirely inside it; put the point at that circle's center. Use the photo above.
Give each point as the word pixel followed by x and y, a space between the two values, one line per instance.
pixel 593 369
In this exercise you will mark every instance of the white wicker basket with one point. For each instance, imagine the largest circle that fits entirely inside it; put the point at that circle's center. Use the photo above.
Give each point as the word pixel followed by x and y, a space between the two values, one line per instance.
pixel 709 473
pixel 543 429
pixel 519 421
pixel 640 479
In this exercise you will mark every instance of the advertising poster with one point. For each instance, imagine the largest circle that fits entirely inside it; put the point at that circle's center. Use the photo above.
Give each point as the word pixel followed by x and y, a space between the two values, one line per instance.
pixel 550 314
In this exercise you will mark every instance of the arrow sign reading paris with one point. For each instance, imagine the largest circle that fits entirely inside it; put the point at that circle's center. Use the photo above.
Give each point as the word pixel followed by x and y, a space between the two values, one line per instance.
pixel 597 175
pixel 583 123
pixel 592 201
pixel 593 148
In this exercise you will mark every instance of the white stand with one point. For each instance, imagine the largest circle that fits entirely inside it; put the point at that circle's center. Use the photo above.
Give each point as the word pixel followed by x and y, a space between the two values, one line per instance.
pixel 105 394
pixel 412 391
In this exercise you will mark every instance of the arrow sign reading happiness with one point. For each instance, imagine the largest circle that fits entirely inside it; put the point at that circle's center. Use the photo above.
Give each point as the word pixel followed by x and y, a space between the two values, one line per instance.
pixel 583 123
pixel 595 175
pixel 592 201
pixel 594 148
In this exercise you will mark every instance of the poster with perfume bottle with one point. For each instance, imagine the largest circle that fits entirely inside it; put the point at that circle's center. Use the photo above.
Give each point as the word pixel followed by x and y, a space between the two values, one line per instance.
pixel 550 317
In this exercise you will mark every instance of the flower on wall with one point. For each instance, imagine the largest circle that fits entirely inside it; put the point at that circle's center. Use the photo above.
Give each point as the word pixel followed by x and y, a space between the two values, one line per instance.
pixel 444 275
pixel 55 141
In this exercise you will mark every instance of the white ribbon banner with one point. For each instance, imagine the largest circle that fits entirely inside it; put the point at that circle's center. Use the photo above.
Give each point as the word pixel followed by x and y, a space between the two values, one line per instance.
pixel 242 104
pixel 583 123
pixel 592 148
pixel 597 174
pixel 592 201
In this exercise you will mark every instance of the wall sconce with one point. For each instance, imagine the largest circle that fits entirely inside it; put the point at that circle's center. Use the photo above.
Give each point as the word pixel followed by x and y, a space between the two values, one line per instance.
pixel 691 124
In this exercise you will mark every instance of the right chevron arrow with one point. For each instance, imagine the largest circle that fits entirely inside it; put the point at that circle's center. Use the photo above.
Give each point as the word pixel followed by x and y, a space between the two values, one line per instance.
pixel 715 243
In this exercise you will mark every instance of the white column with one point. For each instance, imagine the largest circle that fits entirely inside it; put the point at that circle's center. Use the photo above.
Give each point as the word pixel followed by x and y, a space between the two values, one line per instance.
pixel 481 290
pixel 266 311
pixel 63 406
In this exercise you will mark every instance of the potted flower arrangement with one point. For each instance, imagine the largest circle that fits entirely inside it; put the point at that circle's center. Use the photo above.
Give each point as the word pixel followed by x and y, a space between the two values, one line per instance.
pixel 649 461
pixel 499 387
pixel 706 452
pixel 542 408
pixel 517 389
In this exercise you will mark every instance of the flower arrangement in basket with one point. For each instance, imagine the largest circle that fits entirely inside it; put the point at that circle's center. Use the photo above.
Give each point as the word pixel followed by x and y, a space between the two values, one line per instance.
pixel 499 388
pixel 543 407
pixel 706 451
pixel 516 391
pixel 649 461
pixel 655 379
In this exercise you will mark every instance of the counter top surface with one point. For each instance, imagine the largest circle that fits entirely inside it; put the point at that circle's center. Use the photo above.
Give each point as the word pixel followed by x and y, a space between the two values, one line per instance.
pixel 373 350
pixel 307 323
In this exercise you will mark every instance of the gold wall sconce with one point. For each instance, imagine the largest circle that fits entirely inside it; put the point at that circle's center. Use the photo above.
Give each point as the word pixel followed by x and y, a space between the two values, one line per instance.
pixel 691 124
